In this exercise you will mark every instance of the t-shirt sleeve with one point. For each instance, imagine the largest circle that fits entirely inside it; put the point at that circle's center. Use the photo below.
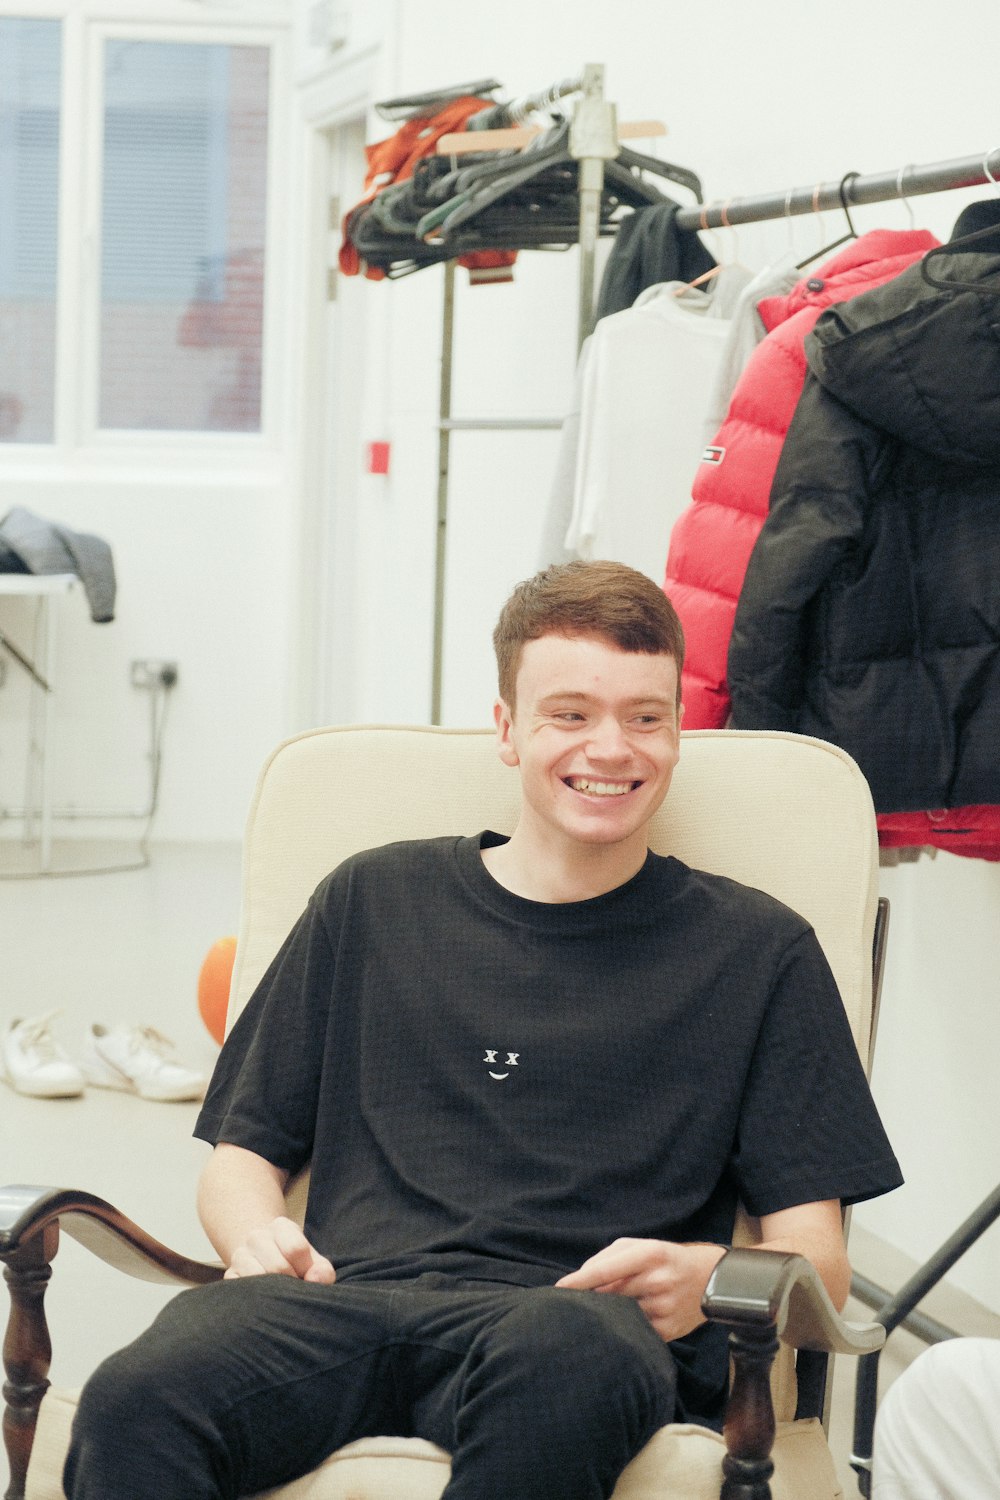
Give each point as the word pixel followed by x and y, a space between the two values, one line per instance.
pixel 808 1127
pixel 264 1092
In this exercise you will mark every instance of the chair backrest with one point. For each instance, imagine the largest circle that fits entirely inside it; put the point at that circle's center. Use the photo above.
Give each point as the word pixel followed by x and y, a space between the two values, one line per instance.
pixel 790 815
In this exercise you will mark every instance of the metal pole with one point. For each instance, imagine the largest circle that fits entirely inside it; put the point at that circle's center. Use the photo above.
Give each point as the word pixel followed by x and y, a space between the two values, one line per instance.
pixel 898 1311
pixel 879 187
pixel 593 140
pixel 444 456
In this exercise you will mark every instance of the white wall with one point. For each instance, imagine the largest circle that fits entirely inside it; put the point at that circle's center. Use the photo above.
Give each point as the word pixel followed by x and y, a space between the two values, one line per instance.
pixel 757 97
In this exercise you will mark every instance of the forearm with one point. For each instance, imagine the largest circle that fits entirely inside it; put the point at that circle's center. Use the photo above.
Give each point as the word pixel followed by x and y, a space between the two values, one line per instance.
pixel 238 1193
pixel 824 1250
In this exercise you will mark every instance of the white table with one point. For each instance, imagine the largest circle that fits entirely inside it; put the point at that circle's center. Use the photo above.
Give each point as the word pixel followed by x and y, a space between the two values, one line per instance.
pixel 46 589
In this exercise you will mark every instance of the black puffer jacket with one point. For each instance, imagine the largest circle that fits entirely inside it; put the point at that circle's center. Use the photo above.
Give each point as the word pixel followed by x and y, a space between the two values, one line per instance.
pixel 870 612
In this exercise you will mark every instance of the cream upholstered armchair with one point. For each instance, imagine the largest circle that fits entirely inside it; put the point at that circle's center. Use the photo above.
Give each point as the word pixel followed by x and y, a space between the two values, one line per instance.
pixel 790 815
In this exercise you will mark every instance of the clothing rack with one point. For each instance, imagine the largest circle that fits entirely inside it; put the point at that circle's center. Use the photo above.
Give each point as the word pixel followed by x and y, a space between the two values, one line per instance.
pixel 878 187
pixel 594 139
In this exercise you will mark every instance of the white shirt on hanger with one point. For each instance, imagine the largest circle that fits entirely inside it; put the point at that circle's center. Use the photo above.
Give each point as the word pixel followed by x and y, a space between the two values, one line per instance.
pixel 746 330
pixel 631 445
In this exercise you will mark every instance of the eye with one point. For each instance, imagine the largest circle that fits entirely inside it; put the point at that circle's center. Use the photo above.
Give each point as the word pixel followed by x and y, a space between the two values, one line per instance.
pixel 569 716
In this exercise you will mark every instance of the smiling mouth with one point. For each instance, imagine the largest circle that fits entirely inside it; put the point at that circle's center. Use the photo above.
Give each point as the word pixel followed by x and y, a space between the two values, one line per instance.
pixel 498 1076
pixel 595 788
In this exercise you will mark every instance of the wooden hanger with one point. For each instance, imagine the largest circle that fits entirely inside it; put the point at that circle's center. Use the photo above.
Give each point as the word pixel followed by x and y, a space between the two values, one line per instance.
pixel 517 137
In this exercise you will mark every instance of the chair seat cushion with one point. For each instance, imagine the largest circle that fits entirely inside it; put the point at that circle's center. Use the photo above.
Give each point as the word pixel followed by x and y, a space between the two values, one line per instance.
pixel 683 1462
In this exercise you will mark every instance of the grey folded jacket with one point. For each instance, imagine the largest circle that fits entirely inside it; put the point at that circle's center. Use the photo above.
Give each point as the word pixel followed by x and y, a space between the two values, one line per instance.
pixel 42 546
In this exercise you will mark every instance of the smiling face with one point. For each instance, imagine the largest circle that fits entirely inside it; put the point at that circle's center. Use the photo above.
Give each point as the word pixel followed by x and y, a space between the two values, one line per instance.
pixel 595 735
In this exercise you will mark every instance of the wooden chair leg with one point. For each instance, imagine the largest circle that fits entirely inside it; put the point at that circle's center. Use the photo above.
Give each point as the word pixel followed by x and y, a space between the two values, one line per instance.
pixel 750 1427
pixel 27 1350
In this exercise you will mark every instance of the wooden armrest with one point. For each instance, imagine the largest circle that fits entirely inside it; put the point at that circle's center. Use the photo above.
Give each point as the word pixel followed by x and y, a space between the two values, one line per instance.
pixel 764 1295
pixel 30 1221
pixel 766 1288
pixel 26 1212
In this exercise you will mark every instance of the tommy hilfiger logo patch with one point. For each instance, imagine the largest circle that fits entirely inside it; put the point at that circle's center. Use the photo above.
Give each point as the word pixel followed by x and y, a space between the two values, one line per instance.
pixel 713 455
pixel 511 1062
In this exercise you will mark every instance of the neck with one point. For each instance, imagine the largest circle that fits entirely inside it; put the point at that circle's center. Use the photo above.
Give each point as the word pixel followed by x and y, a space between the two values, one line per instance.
pixel 541 871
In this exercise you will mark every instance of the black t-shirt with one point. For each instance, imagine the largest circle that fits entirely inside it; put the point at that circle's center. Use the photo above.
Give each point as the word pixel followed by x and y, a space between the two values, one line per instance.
pixel 500 1087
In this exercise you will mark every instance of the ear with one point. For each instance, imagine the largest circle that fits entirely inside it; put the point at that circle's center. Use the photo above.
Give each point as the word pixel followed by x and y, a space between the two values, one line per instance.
pixel 503 718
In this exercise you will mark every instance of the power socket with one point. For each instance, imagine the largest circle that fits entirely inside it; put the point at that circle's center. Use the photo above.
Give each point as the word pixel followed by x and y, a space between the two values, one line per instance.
pixel 152 672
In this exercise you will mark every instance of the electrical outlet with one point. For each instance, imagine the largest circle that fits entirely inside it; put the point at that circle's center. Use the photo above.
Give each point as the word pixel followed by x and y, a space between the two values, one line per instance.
pixel 152 672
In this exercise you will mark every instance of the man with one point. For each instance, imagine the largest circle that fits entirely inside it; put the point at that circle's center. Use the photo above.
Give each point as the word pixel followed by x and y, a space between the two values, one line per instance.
pixel 532 1076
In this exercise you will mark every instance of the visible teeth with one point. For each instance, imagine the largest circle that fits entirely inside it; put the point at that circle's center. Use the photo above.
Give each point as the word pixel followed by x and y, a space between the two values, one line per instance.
pixel 600 788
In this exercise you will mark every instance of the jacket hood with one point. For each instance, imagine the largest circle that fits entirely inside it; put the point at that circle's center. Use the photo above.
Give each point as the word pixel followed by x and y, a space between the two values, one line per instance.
pixel 921 362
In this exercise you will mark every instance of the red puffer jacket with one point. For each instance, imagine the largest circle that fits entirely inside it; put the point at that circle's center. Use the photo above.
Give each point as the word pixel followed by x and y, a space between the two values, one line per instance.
pixel 711 542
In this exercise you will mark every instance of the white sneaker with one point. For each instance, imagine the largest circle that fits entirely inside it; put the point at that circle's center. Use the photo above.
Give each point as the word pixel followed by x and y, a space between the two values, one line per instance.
pixel 139 1059
pixel 34 1063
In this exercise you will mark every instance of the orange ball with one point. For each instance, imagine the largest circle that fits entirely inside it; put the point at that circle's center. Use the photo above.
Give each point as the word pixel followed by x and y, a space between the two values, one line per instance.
pixel 213 986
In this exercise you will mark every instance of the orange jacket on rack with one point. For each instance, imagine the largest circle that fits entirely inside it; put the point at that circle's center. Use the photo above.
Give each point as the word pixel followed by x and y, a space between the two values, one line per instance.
pixel 393 160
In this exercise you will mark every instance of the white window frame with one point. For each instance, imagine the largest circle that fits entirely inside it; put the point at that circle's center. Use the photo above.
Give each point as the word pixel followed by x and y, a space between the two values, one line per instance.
pixel 80 447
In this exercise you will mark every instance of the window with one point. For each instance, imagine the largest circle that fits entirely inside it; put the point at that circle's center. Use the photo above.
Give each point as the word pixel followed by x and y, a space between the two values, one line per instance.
pixel 178 199
pixel 182 258
pixel 29 205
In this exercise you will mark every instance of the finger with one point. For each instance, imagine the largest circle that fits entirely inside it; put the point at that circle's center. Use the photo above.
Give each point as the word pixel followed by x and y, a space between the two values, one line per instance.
pixel 244 1263
pixel 303 1259
pixel 651 1283
pixel 292 1245
pixel 321 1270
pixel 616 1262
pixel 261 1251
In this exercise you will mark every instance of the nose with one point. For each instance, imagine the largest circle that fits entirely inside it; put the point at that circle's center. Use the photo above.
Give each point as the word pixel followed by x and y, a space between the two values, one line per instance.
pixel 608 741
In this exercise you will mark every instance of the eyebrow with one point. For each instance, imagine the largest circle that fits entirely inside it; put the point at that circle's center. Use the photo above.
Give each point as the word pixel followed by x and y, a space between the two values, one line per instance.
pixel 652 701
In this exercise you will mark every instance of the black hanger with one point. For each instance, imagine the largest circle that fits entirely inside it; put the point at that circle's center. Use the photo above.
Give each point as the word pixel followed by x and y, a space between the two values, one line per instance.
pixel 477 185
pixel 958 247
pixel 407 106
pixel 535 198
pixel 501 201
pixel 639 161
pixel 852 233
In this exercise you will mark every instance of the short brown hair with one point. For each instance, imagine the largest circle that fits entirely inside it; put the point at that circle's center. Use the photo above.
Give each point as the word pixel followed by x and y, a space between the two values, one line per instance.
pixel 604 599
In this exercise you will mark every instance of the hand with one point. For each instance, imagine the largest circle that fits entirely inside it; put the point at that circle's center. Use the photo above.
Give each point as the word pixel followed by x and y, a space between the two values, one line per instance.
pixel 668 1281
pixel 279 1249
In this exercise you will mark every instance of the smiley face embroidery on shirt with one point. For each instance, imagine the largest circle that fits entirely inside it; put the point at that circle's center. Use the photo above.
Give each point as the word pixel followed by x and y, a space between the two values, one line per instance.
pixel 510 1062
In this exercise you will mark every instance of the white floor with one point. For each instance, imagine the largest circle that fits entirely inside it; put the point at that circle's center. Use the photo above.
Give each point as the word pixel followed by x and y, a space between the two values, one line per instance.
pixel 128 947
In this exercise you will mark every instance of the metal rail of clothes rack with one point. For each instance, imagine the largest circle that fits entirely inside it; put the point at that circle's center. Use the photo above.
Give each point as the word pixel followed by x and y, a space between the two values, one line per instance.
pixel 596 142
pixel 852 190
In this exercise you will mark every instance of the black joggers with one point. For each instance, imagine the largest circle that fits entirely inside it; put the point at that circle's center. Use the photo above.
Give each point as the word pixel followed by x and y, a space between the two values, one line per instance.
pixel 537 1393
